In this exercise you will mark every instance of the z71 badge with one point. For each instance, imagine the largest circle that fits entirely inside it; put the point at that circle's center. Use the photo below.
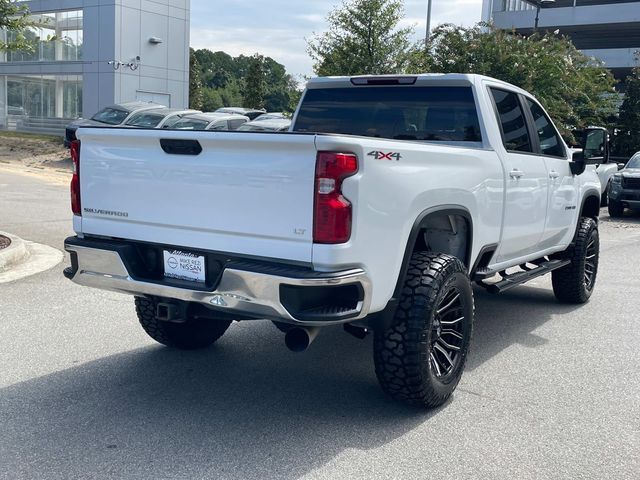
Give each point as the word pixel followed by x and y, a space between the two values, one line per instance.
pixel 385 156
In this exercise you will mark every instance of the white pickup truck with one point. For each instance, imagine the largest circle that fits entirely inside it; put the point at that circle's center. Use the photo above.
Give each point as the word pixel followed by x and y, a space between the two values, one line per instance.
pixel 388 198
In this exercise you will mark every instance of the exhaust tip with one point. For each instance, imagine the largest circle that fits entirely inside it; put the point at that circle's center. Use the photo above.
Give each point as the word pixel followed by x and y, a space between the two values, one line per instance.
pixel 298 339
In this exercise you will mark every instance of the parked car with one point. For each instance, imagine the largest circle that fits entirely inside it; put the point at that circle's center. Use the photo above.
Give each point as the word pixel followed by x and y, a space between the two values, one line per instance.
pixel 273 125
pixel 396 194
pixel 624 191
pixel 111 116
pixel 270 116
pixel 210 121
pixel 158 118
pixel 252 113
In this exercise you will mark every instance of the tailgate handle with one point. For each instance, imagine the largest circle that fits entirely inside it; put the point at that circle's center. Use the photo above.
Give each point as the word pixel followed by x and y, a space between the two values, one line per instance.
pixel 180 147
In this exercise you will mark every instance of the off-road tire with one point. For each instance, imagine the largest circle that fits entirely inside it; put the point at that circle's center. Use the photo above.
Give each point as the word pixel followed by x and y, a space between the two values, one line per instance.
pixel 616 209
pixel 194 333
pixel 604 199
pixel 402 352
pixel 575 282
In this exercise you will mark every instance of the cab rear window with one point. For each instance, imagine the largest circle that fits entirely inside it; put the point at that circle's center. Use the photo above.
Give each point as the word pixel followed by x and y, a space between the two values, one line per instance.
pixel 445 114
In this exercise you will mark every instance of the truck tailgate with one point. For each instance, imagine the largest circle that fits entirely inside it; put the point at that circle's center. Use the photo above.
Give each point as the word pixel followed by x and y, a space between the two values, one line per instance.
pixel 244 193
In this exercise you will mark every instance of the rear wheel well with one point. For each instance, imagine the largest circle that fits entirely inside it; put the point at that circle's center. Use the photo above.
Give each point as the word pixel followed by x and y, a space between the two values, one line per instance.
pixel 445 232
pixel 449 231
pixel 591 207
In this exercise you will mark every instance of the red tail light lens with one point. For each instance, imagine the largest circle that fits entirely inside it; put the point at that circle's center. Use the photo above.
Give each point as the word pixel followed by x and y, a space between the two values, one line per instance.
pixel 332 213
pixel 75 179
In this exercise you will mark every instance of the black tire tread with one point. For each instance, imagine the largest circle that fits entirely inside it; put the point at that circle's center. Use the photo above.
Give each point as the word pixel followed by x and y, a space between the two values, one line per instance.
pixel 615 208
pixel 568 285
pixel 399 351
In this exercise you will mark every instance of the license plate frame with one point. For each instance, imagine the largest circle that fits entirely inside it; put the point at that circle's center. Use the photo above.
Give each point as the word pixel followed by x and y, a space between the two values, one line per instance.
pixel 186 266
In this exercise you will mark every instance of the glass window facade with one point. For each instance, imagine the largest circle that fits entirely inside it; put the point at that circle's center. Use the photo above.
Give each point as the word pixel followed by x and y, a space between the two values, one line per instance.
pixel 39 101
pixel 57 37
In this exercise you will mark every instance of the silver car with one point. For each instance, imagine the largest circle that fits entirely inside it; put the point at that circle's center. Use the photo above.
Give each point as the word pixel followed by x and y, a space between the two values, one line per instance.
pixel 158 118
pixel 210 121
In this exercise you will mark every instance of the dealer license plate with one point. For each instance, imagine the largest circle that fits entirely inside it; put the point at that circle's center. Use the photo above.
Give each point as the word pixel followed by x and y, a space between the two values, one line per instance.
pixel 184 266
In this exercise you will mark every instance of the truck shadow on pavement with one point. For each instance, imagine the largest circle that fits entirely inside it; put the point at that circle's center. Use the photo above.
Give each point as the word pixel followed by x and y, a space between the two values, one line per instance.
pixel 246 408
pixel 510 318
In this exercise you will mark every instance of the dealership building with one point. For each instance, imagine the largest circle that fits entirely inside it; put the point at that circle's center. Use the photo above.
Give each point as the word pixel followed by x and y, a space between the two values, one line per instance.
pixel 92 53
pixel 608 30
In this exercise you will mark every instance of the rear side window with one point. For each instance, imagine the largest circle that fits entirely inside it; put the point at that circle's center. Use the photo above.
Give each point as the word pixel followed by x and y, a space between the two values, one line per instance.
pixel 234 124
pixel 550 143
pixel 515 135
pixel 190 124
pixel 402 113
pixel 171 122
pixel 145 120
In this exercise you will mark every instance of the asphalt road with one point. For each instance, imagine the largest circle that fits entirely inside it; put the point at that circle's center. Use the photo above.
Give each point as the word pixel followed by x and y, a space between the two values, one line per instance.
pixel 550 391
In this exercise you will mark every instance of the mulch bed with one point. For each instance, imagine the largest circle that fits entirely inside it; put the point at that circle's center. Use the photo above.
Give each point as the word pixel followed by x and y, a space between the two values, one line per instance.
pixel 4 242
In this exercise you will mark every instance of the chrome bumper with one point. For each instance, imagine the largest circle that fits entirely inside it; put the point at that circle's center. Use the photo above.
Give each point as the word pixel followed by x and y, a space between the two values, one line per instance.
pixel 254 294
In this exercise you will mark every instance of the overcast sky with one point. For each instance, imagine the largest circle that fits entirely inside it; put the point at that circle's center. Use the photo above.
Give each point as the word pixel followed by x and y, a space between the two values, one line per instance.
pixel 278 28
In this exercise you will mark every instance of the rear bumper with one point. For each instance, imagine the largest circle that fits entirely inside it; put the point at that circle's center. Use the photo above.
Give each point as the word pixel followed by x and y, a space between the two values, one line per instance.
pixel 248 289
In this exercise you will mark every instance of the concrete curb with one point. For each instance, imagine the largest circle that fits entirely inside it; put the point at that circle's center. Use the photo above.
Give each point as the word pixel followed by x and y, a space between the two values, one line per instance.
pixel 15 253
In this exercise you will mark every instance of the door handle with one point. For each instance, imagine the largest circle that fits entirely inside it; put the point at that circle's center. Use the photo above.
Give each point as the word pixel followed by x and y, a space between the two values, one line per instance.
pixel 515 173
pixel 553 174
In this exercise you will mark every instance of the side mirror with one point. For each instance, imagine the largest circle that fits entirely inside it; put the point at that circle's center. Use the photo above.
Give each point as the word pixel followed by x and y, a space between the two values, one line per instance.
pixel 577 163
pixel 595 145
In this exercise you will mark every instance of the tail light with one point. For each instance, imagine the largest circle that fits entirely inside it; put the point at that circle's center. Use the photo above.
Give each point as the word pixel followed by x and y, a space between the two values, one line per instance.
pixel 75 179
pixel 332 211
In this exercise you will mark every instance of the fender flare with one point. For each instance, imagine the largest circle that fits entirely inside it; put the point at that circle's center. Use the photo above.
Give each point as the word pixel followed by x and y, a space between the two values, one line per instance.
pixel 419 224
pixel 587 195
pixel 382 319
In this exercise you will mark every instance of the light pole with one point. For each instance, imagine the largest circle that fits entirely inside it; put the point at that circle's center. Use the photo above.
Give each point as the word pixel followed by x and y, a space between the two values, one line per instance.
pixel 539 5
pixel 428 33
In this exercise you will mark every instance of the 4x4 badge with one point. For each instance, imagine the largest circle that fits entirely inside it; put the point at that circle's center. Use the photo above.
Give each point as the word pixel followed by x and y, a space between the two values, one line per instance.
pixel 378 155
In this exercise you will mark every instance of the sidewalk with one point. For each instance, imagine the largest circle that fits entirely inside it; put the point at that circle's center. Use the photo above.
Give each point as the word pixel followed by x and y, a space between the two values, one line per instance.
pixel 21 258
pixel 12 251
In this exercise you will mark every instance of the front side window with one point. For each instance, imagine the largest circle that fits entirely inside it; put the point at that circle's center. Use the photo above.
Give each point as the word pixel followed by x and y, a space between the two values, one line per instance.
pixel 515 135
pixel 446 114
pixel 550 143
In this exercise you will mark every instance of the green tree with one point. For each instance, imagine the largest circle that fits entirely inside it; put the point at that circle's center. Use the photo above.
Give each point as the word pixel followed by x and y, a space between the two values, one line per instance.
pixel 224 79
pixel 14 17
pixel 255 83
pixel 576 90
pixel 364 37
pixel 195 82
pixel 628 139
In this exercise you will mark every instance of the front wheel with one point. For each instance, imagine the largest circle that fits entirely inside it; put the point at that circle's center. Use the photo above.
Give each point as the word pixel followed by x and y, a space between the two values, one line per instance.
pixel 194 333
pixel 616 209
pixel 604 199
pixel 420 358
pixel 575 282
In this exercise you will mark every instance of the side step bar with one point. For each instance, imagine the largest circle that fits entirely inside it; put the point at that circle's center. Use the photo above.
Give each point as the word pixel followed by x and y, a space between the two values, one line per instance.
pixel 515 279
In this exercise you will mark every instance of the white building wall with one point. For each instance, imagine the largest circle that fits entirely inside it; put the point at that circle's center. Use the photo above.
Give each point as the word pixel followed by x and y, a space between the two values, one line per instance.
pixel 119 31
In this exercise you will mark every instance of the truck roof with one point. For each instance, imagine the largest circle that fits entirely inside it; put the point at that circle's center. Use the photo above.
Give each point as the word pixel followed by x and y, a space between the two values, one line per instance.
pixel 403 80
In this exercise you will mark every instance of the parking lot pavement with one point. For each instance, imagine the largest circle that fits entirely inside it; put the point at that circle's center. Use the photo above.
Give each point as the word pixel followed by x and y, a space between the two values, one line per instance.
pixel 551 391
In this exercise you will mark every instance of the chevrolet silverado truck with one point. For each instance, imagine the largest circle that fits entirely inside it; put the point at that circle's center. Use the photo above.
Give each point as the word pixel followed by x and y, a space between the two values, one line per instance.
pixel 382 206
